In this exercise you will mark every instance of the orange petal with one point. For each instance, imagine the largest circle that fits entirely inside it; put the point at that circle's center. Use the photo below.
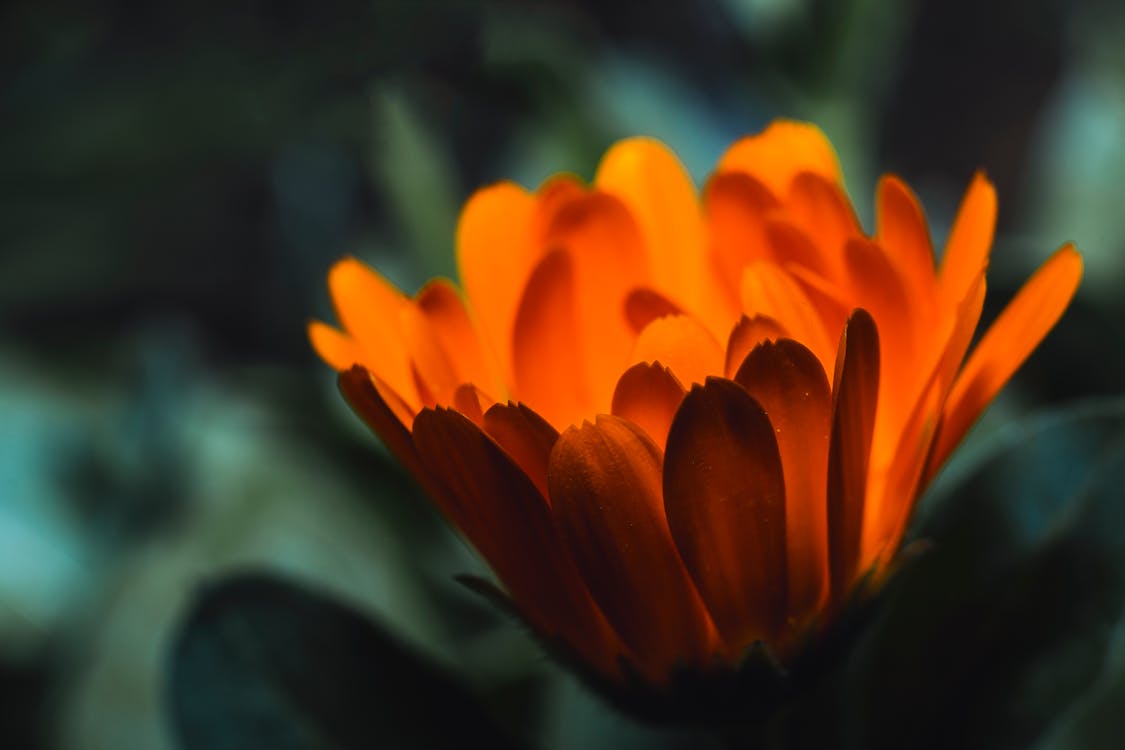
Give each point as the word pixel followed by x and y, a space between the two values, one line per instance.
pixel 500 511
pixel 526 437
pixel 820 207
pixel 605 490
pixel 370 309
pixel 656 188
pixel 603 242
pixel 789 383
pixel 645 305
pixel 747 334
pixel 902 230
pixel 768 290
pixel 791 246
pixel 725 500
pixel 970 239
pixel 441 303
pixel 431 365
pixel 855 391
pixel 781 151
pixel 737 206
pixel 683 345
pixel 648 396
pixel 472 401
pixel 1006 345
pixel 496 251
pixel 334 347
pixel 547 366
pixel 877 287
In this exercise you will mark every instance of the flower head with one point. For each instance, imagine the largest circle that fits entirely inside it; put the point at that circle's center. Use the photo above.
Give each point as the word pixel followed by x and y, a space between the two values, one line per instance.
pixel 678 425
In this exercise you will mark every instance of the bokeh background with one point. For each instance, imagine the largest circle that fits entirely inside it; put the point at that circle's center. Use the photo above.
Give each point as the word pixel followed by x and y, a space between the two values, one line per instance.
pixel 176 179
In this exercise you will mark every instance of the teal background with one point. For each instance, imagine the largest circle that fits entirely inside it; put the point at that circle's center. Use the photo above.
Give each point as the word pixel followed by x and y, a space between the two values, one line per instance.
pixel 175 182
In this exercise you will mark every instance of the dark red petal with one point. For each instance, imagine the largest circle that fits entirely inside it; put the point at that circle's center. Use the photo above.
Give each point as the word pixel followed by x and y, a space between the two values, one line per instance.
pixel 855 392
pixel 501 512
pixel 526 436
pixel 788 381
pixel 605 492
pixel 385 414
pixel 725 500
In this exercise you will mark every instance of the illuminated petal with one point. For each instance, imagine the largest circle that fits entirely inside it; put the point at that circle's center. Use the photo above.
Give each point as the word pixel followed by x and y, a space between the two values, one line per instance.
pixel 819 206
pixel 605 487
pixel 725 500
pixel 334 347
pixel 547 366
pixel 966 250
pixel 737 207
pixel 780 152
pixel 768 290
pixel 1006 345
pixel 855 390
pixel 602 240
pixel 652 182
pixel 789 383
pixel 370 309
pixel 525 436
pixel 441 303
pixel 683 345
pixel 648 395
pixel 902 230
pixel 496 251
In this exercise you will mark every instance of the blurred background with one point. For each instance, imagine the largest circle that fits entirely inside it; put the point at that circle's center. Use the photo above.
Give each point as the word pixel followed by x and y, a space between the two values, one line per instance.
pixel 176 181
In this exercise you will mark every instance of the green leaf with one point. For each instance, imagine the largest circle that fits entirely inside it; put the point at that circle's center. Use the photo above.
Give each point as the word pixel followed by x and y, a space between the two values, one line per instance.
pixel 989 637
pixel 261 663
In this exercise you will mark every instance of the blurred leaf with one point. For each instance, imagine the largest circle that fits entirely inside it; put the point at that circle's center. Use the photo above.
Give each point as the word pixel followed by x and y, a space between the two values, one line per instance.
pixel 1008 619
pixel 264 663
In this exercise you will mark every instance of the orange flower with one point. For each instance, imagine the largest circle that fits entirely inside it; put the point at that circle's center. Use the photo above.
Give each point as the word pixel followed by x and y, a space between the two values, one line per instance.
pixel 679 425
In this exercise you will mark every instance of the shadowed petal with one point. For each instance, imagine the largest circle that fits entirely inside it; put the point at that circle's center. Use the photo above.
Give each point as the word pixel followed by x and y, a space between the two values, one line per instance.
pixel 855 391
pixel 789 383
pixel 648 395
pixel 605 490
pixel 747 334
pixel 644 305
pixel 501 512
pixel 386 414
pixel 725 500
pixel 527 438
